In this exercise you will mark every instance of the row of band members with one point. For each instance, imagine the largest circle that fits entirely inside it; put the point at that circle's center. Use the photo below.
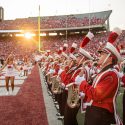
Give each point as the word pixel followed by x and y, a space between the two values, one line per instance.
pixel 95 82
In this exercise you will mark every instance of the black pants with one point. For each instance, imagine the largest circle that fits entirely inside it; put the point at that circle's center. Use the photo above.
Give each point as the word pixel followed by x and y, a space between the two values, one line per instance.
pixel 98 116
pixel 63 101
pixel 49 87
pixel 124 108
pixel 59 99
pixel 70 115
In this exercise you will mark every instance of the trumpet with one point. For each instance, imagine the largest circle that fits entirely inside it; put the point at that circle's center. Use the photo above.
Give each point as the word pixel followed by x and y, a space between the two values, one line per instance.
pixel 73 96
pixel 56 89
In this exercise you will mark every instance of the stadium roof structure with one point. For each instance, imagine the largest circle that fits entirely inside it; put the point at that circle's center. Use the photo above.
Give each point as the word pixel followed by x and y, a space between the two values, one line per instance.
pixel 57 23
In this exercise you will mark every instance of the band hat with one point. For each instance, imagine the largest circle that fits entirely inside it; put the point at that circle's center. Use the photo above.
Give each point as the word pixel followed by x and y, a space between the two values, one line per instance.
pixel 65 46
pixel 85 41
pixel 110 48
pixel 72 50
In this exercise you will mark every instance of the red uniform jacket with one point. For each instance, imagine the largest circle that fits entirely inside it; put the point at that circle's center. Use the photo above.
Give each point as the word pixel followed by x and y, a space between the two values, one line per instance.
pixel 68 77
pixel 63 74
pixel 104 91
pixel 56 67
pixel 75 74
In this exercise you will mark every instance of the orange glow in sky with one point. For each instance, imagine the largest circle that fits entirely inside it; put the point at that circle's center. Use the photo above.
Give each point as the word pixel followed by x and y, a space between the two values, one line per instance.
pixel 29 8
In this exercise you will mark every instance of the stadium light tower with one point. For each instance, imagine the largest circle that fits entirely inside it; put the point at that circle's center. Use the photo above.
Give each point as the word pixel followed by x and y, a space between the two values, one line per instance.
pixel 66 29
pixel 1 13
pixel 89 15
pixel 39 42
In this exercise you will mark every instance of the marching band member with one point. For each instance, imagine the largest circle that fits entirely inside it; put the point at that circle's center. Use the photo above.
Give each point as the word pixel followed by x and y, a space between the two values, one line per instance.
pixel 63 80
pixel 86 67
pixel 102 94
pixel 59 97
pixel 70 113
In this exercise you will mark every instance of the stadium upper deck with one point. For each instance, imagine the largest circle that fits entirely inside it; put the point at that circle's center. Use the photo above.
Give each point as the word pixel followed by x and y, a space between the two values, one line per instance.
pixel 77 21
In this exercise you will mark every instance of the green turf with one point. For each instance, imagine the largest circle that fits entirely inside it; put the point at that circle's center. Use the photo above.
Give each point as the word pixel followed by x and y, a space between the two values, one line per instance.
pixel 120 102
pixel 80 118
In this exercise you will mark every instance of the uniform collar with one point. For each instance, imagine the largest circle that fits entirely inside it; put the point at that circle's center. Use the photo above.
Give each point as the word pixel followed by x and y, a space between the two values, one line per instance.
pixel 106 68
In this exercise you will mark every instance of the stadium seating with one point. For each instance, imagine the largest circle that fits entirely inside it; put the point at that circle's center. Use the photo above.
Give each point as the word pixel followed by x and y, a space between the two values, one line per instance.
pixel 21 47
pixel 50 22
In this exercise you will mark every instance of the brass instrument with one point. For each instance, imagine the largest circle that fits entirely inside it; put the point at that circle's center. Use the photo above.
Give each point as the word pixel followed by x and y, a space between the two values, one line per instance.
pixel 49 79
pixel 73 90
pixel 73 96
pixel 56 89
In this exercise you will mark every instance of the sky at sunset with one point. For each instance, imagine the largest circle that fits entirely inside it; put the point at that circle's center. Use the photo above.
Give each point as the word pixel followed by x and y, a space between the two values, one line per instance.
pixel 29 8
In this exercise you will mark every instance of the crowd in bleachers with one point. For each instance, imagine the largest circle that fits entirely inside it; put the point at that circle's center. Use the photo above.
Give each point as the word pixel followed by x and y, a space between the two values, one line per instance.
pixel 50 22
pixel 18 47
pixel 21 47
pixel 52 43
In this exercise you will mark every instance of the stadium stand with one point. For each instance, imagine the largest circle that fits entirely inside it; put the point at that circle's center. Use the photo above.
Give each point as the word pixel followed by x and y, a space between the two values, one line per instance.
pixel 53 43
pixel 51 22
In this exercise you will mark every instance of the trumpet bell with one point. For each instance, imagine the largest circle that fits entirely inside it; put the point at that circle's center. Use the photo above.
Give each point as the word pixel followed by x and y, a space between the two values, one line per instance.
pixel 49 79
pixel 73 96
pixel 56 89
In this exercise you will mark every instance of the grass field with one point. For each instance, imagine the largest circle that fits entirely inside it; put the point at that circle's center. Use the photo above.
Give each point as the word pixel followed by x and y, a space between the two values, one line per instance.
pixel 80 117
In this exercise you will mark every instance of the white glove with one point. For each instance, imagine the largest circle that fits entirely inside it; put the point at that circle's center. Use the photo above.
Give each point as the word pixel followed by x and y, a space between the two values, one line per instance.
pixel 51 71
pixel 58 78
pixel 79 79
pixel 63 85
pixel 82 95
pixel 60 71
pixel 66 88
